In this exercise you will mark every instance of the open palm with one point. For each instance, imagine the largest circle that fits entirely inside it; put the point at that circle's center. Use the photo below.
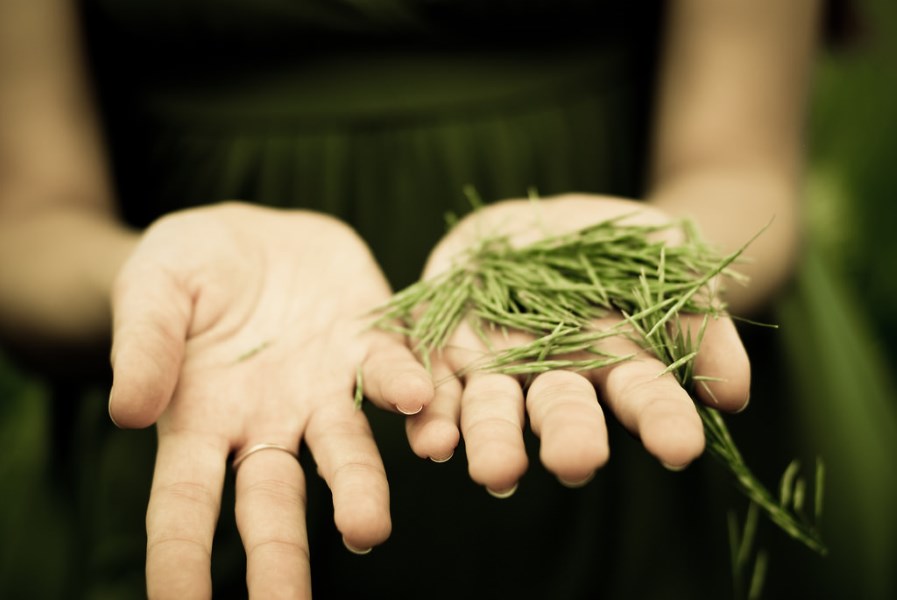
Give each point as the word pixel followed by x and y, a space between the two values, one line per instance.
pixel 565 409
pixel 237 326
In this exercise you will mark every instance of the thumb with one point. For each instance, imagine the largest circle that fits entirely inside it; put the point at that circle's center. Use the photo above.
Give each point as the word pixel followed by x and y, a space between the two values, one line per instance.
pixel 151 314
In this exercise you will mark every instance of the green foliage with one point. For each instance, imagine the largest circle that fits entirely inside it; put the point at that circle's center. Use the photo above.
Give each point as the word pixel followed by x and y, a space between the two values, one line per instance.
pixel 556 289
pixel 852 146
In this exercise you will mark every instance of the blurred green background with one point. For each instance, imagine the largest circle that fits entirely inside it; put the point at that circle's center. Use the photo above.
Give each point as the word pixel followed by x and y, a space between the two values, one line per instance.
pixel 852 179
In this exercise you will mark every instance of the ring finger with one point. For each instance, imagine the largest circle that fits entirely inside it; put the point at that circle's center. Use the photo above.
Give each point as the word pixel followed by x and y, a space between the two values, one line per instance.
pixel 270 511
pixel 565 414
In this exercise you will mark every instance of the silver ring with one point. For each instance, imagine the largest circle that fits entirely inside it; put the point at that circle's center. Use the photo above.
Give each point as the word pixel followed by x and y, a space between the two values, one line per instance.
pixel 244 454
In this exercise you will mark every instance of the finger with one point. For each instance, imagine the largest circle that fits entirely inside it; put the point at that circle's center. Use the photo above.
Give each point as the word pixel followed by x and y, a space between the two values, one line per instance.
pixel 394 378
pixel 653 407
pixel 151 313
pixel 722 358
pixel 180 520
pixel 565 414
pixel 347 458
pixel 434 433
pixel 492 426
pixel 270 511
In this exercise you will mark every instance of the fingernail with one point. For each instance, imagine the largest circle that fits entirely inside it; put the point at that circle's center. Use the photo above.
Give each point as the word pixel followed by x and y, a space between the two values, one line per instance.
pixel 354 550
pixel 673 468
pixel 577 484
pixel 744 406
pixel 501 495
pixel 109 410
pixel 442 460
pixel 409 412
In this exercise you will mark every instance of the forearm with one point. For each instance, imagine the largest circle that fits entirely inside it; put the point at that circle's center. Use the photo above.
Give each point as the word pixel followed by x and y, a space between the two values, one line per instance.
pixel 60 241
pixel 58 267
pixel 728 147
pixel 730 205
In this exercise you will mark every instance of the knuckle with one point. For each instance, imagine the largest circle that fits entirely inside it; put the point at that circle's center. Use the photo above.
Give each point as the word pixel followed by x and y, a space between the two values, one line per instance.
pixel 187 492
pixel 550 394
pixel 340 428
pixel 162 542
pixel 483 392
pixel 279 546
pixel 639 377
pixel 490 429
pixel 358 467
pixel 276 491
pixel 655 406
pixel 560 381
pixel 492 387
pixel 570 410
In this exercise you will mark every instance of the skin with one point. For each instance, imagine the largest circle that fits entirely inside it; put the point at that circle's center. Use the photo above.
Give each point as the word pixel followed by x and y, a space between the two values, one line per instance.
pixel 724 154
pixel 258 310
pixel 563 406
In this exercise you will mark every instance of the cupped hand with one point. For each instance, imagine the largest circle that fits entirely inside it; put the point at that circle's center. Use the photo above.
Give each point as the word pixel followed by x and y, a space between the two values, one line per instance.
pixel 566 409
pixel 236 326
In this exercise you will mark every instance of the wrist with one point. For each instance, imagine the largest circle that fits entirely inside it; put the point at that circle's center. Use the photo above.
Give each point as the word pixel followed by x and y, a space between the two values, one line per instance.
pixel 58 271
pixel 730 206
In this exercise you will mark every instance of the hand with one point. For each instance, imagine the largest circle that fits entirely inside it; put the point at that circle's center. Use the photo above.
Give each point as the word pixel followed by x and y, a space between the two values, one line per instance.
pixel 563 406
pixel 236 326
